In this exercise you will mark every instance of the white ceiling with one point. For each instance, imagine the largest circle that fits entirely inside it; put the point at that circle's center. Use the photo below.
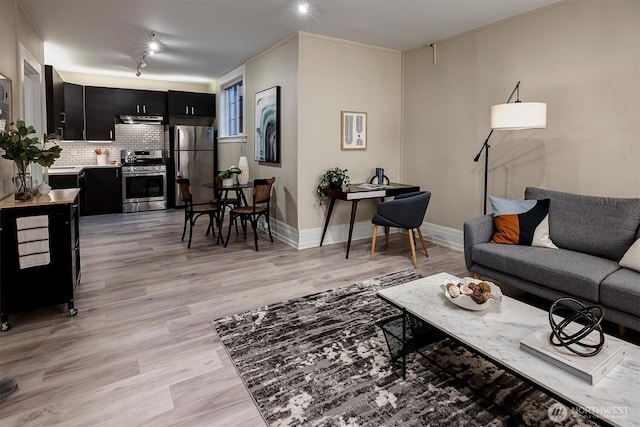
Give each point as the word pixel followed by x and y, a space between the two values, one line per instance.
pixel 203 39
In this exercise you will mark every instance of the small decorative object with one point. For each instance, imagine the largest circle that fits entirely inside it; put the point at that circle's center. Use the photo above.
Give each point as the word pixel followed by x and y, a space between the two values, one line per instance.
pixel 332 178
pixel 588 319
pixel 101 156
pixel 380 175
pixel 353 128
pixel 267 121
pixel 43 189
pixel 227 175
pixel 24 150
pixel 243 165
pixel 473 294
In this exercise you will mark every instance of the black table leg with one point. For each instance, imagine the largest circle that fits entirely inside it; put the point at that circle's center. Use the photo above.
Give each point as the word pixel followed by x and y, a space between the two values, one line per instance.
pixel 404 344
pixel 326 221
pixel 354 207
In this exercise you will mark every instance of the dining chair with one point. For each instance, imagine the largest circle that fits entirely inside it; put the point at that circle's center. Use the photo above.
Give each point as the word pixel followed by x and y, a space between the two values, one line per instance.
pixel 259 207
pixel 194 211
pixel 405 211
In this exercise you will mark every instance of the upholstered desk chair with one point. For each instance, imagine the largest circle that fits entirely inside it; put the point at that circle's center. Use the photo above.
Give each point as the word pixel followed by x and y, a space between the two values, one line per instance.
pixel 259 207
pixel 193 212
pixel 405 211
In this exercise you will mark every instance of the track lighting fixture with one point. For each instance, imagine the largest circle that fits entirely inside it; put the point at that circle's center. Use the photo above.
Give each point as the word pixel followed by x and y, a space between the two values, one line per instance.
pixel 152 47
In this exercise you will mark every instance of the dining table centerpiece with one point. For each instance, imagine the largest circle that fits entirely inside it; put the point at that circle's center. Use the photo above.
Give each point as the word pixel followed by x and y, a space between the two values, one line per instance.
pixel 24 149
pixel 227 175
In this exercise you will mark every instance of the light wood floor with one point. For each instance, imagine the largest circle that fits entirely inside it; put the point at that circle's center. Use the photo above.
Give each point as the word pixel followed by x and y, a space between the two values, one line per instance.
pixel 141 350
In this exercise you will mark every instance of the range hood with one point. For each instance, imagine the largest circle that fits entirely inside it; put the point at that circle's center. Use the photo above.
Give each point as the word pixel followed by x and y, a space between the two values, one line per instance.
pixel 147 120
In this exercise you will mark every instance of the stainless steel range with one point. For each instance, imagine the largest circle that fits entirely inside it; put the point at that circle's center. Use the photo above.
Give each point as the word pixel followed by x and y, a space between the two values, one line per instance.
pixel 144 180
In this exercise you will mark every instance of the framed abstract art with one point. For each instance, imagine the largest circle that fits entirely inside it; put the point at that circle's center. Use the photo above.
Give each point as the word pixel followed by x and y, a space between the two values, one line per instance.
pixel 353 128
pixel 267 121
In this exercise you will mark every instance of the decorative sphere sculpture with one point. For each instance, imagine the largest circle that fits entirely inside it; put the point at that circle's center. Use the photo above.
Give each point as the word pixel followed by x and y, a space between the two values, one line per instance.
pixel 588 319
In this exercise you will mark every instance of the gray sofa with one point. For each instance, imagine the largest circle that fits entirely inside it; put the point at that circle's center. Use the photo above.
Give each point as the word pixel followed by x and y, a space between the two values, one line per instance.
pixel 592 234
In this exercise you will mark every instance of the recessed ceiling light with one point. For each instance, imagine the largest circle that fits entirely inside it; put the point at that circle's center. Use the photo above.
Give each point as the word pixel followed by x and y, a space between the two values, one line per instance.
pixel 303 8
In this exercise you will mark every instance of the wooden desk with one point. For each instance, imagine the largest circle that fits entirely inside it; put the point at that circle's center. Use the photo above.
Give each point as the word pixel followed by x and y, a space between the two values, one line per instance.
pixel 354 194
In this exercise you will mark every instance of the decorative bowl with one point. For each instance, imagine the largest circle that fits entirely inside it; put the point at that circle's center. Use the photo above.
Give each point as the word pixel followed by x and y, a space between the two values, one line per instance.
pixel 466 301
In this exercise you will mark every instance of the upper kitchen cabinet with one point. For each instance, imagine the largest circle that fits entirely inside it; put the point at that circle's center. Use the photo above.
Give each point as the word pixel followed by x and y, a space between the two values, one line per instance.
pixel 191 104
pixel 140 102
pixel 99 113
pixel 73 115
pixel 54 91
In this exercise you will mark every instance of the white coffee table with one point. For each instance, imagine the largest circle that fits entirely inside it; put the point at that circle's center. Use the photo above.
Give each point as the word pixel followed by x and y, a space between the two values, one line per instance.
pixel 495 334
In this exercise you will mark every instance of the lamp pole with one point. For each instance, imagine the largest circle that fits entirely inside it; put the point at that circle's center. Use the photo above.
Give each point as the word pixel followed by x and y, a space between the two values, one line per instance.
pixel 485 148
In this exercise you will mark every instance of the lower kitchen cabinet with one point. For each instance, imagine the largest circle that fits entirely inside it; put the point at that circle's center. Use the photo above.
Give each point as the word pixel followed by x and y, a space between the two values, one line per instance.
pixel 45 270
pixel 102 192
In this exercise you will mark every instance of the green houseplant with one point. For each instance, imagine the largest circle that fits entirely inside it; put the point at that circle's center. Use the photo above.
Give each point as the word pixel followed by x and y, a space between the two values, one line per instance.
pixel 24 149
pixel 332 178
pixel 227 174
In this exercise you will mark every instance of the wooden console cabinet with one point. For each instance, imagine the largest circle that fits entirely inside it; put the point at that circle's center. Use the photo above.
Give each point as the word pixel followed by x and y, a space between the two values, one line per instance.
pixel 53 278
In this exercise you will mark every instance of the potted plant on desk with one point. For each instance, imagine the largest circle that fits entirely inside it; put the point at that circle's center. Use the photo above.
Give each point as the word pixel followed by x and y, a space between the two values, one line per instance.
pixel 24 150
pixel 332 178
pixel 227 175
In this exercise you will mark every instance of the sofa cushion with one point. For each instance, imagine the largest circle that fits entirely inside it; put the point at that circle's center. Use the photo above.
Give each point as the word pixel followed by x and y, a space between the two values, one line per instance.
pixel 600 226
pixel 631 258
pixel 571 272
pixel 621 291
pixel 521 222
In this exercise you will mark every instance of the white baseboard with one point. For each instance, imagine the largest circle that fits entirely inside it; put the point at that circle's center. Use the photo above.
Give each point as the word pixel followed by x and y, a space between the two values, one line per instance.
pixel 310 238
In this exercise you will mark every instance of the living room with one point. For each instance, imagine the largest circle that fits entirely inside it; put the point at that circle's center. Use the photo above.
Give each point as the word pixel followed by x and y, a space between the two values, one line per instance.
pixel 428 112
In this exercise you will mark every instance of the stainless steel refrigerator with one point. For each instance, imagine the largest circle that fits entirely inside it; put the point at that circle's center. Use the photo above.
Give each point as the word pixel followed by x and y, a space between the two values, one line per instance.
pixel 193 155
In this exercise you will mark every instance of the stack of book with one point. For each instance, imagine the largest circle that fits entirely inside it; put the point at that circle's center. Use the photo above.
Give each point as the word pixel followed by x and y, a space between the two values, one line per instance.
pixel 590 369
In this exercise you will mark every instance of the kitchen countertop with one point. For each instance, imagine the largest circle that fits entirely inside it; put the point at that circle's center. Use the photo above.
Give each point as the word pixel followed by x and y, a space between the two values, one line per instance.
pixel 55 197
pixel 73 170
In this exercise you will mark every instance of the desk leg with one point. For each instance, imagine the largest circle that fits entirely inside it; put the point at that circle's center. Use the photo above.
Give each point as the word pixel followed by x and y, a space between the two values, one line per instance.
pixel 354 207
pixel 326 221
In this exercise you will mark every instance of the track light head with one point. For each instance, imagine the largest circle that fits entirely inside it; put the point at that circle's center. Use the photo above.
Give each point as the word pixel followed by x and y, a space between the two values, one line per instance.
pixel 138 73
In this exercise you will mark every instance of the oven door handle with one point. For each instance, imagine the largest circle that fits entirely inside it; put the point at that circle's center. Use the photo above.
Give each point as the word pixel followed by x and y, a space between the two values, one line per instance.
pixel 129 175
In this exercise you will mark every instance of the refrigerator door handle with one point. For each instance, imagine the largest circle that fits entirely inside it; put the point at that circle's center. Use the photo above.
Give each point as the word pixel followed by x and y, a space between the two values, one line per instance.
pixel 176 149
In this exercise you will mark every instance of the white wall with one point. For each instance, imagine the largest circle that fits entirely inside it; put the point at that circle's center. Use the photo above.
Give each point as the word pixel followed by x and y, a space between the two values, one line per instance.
pixel 337 75
pixel 581 57
pixel 277 66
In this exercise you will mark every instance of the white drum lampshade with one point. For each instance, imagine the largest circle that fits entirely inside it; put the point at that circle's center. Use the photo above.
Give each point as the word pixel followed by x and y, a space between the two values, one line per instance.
pixel 519 115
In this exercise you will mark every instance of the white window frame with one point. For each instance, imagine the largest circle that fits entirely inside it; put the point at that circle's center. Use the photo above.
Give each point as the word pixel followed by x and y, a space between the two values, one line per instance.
pixel 225 82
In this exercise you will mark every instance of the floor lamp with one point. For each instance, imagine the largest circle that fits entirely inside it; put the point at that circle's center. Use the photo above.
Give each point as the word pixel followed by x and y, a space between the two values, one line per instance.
pixel 517 115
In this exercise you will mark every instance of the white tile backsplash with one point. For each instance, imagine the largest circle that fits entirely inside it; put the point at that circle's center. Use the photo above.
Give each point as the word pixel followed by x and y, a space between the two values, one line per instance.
pixel 128 137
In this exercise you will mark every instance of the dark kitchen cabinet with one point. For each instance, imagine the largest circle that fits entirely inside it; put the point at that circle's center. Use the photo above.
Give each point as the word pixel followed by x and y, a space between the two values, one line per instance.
pixel 54 93
pixel 44 279
pixel 103 191
pixel 140 102
pixel 73 115
pixel 58 182
pixel 191 104
pixel 99 113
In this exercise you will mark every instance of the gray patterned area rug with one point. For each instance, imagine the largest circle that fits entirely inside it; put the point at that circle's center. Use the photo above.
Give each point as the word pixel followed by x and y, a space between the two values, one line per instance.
pixel 320 360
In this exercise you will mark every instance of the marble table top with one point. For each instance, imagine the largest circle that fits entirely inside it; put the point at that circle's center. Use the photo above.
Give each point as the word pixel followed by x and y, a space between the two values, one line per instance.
pixel 496 334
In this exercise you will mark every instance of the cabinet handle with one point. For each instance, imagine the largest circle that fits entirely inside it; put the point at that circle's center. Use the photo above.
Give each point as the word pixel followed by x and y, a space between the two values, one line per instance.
pixel 137 108
pixel 186 110
pixel 110 134
pixel 74 206
pixel 64 117
pixel 61 129
pixel 193 111
pixel 144 108
pixel 117 174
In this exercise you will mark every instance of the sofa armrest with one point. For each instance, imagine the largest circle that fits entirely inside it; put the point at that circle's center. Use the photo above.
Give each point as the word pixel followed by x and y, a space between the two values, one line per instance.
pixel 476 230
